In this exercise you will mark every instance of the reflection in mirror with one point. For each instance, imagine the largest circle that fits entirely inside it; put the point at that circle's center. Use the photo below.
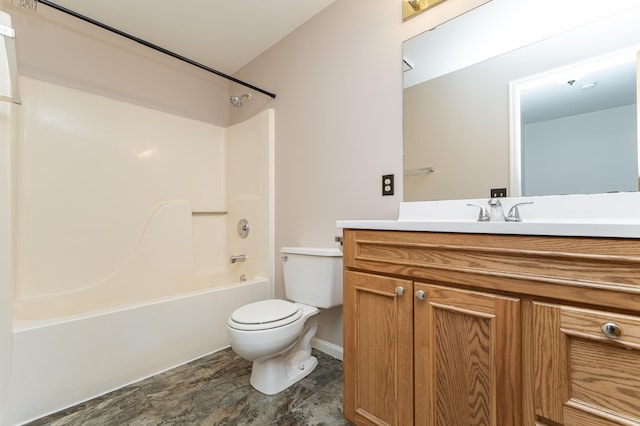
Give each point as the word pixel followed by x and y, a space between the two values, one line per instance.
pixel 458 124
pixel 575 129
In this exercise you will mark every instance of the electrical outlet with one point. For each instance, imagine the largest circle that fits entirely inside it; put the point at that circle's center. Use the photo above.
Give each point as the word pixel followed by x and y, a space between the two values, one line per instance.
pixel 498 192
pixel 387 184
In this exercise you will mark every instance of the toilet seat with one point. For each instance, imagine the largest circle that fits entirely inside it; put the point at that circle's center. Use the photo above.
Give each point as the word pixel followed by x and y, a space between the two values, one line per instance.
pixel 264 315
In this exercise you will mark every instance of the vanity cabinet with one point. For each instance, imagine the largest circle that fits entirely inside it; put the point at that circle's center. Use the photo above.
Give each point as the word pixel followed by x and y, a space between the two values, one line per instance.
pixel 474 329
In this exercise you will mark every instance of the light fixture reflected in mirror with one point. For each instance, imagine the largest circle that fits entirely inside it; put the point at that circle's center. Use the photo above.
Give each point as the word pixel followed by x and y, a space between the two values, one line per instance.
pixel 411 8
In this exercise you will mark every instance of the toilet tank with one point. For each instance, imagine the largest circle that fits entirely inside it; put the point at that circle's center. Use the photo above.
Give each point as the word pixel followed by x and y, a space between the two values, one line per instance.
pixel 313 276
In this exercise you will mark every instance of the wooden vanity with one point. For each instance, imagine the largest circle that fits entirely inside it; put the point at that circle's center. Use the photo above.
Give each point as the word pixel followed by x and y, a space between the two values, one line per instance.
pixel 476 329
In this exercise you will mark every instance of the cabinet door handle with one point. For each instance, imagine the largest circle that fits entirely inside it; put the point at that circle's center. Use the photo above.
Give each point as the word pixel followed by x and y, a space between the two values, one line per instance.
pixel 399 290
pixel 611 330
pixel 420 295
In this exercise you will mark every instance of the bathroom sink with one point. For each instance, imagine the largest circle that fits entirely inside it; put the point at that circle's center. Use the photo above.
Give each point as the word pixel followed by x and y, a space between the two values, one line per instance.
pixel 598 215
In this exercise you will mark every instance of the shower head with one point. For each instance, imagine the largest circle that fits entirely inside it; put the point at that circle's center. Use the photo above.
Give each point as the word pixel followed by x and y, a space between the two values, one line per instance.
pixel 236 101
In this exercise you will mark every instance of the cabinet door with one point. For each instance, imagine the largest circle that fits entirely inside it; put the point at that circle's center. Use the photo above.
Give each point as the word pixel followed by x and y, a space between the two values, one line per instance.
pixel 467 358
pixel 378 350
pixel 586 366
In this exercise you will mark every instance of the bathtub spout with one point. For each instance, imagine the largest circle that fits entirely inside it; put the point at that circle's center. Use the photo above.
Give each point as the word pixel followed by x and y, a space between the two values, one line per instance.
pixel 238 258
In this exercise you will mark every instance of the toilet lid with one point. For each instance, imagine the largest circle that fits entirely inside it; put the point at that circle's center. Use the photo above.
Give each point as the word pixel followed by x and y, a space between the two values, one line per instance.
pixel 265 314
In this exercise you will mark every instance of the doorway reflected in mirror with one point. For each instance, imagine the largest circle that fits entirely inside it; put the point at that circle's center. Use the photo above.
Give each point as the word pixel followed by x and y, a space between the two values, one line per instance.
pixel 574 129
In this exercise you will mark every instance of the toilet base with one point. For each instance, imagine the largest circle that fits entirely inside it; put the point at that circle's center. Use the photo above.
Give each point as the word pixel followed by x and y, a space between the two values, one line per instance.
pixel 278 373
pixel 275 374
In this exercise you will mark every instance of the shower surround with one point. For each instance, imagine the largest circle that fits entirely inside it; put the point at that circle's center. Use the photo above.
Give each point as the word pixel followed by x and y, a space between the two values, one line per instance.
pixel 125 219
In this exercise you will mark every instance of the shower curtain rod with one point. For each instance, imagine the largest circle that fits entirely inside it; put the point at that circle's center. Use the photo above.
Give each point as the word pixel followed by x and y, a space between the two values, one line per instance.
pixel 152 46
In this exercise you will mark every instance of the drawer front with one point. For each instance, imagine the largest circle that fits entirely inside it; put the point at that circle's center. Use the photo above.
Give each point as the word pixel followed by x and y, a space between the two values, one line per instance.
pixel 597 271
pixel 586 366
pixel 617 329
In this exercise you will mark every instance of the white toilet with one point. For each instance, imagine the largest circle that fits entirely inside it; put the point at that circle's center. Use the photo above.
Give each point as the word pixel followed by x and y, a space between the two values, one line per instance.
pixel 276 334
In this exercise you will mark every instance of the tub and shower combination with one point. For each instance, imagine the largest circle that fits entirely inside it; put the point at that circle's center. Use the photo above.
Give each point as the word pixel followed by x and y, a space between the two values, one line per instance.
pixel 60 361
pixel 124 229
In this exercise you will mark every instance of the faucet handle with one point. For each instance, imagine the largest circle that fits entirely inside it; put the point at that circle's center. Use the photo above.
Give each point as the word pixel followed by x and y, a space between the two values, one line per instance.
pixel 514 213
pixel 483 216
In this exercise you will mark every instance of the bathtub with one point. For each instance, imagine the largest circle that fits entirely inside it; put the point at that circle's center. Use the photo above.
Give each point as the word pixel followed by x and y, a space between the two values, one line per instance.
pixel 61 361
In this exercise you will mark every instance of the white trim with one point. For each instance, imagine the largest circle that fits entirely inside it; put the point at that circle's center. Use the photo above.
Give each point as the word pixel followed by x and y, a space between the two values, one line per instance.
pixel 7 31
pixel 328 348
pixel 272 202
pixel 515 136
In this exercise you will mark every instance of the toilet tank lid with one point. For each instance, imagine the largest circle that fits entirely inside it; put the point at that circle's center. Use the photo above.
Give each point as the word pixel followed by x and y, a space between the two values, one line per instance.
pixel 313 251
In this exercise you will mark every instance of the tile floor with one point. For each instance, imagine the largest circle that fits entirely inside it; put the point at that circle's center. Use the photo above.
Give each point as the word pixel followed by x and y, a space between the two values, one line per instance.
pixel 214 390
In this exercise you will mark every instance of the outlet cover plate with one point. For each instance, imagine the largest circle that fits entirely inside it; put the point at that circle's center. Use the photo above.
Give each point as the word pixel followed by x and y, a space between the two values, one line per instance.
pixel 498 192
pixel 387 185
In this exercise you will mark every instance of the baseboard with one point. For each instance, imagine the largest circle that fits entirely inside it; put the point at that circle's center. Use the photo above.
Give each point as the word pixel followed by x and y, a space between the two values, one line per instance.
pixel 327 347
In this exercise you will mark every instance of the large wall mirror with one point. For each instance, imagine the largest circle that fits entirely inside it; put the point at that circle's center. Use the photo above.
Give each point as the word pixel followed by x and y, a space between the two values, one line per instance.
pixel 557 116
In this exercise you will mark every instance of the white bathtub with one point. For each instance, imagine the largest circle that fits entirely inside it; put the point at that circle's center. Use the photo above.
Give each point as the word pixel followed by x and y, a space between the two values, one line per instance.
pixel 60 361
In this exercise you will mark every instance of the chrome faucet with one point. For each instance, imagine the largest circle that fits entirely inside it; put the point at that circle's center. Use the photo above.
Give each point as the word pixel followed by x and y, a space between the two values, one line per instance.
pixel 483 216
pixel 238 258
pixel 514 213
pixel 495 213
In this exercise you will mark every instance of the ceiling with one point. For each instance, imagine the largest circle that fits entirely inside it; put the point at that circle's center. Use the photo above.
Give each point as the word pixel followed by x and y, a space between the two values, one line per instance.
pixel 221 34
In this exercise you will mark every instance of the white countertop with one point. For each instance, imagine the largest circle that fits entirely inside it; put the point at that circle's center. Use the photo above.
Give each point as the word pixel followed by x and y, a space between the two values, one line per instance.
pixel 598 215
pixel 616 230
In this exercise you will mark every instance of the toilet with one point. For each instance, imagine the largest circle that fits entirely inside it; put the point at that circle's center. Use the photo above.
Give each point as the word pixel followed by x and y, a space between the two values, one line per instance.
pixel 276 334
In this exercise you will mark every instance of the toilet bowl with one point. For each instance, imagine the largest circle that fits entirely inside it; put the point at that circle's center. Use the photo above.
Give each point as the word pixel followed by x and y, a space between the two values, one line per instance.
pixel 276 334
pixel 279 348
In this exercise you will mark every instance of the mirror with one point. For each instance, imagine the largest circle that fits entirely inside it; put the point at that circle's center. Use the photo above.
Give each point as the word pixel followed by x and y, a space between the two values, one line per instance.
pixel 471 130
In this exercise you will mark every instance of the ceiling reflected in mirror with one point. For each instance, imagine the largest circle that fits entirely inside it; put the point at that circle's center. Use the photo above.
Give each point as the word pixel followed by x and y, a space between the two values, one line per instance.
pixel 576 128
pixel 605 84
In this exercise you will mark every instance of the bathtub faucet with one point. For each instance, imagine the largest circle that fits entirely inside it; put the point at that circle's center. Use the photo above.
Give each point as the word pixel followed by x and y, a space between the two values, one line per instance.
pixel 238 258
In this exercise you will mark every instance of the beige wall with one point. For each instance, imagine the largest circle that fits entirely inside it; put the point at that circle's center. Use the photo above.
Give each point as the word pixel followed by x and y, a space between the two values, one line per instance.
pixel 338 81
